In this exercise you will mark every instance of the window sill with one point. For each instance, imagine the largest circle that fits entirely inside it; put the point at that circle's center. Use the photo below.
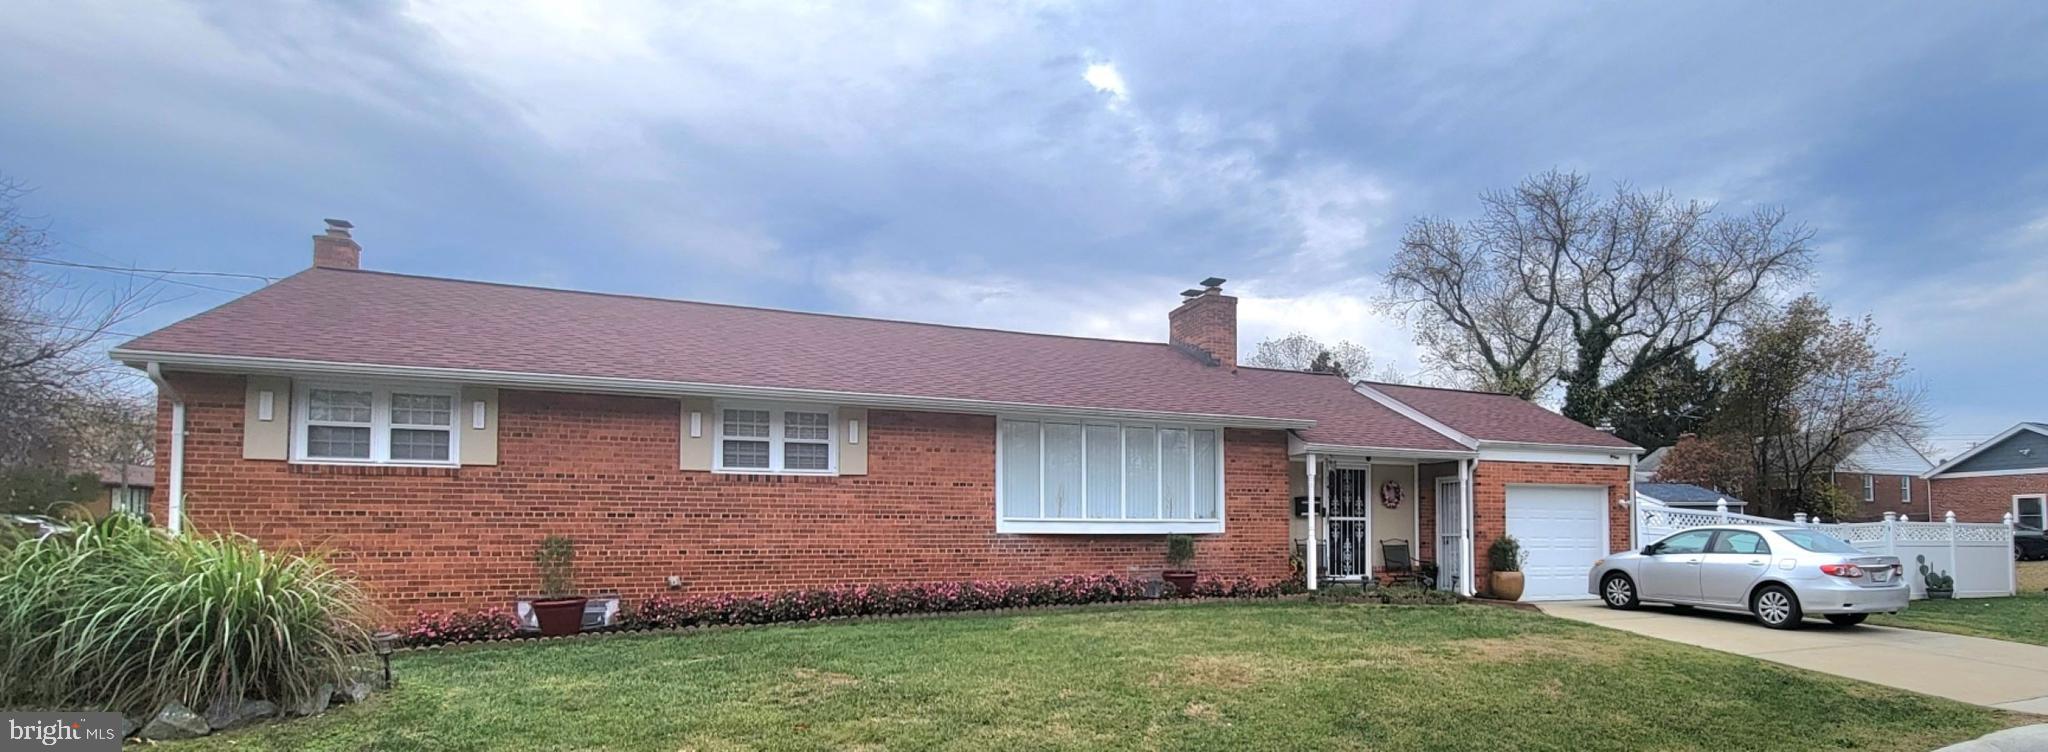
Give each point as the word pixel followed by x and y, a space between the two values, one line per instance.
pixel 1107 527
pixel 365 469
pixel 778 473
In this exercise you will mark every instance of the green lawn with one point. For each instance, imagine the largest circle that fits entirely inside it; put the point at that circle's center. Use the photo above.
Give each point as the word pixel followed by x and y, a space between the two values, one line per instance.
pixel 1213 676
pixel 2023 618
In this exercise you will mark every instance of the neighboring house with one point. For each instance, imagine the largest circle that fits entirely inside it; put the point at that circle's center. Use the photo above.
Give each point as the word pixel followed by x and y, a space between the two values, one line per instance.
pixel 428 433
pixel 1646 468
pixel 2007 474
pixel 1688 496
pixel 1883 474
pixel 127 491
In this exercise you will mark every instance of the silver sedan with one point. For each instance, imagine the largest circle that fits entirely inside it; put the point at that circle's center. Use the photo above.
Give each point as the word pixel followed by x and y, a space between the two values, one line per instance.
pixel 1779 574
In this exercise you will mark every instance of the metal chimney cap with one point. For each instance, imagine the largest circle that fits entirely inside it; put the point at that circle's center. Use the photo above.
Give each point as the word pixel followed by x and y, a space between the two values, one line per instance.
pixel 340 224
pixel 1191 293
pixel 1213 282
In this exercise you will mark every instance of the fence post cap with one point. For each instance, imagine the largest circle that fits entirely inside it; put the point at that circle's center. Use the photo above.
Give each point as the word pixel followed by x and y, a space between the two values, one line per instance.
pixel 1799 517
pixel 2008 519
pixel 1949 517
pixel 1891 516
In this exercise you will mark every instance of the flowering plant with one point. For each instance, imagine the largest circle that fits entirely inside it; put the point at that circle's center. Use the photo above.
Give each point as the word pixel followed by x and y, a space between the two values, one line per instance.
pixel 435 627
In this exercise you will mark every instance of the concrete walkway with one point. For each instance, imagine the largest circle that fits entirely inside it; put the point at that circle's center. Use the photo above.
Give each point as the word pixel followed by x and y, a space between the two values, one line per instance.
pixel 1994 673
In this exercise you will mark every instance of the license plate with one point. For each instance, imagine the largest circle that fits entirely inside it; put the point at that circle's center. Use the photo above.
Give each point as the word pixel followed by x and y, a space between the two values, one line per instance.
pixel 1881 575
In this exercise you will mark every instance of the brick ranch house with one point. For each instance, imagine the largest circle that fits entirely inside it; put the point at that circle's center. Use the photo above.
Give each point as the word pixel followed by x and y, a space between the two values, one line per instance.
pixel 427 433
pixel 2007 474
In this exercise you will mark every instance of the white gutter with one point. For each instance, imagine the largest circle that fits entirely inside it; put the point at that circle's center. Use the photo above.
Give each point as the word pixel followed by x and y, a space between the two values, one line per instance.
pixel 176 511
pixel 616 385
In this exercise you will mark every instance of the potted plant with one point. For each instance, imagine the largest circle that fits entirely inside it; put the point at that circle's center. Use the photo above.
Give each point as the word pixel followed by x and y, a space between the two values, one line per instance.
pixel 559 610
pixel 1939 583
pixel 1180 549
pixel 1505 558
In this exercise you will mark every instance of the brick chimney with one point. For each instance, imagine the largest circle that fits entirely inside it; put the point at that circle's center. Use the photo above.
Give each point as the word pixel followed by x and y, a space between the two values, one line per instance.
pixel 335 249
pixel 1206 324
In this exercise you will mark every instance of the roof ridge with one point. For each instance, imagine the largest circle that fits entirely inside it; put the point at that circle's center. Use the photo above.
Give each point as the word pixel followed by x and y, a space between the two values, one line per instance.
pixel 735 306
pixel 1440 388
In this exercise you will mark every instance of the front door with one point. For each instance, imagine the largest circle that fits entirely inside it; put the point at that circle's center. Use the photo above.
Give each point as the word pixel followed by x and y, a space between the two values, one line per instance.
pixel 1350 495
pixel 1450 533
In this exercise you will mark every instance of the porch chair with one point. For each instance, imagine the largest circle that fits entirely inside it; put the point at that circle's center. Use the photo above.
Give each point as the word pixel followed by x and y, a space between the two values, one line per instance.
pixel 1401 566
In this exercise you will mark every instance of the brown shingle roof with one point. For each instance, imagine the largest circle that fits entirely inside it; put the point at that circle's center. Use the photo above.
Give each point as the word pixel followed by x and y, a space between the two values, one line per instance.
pixel 1490 416
pixel 344 316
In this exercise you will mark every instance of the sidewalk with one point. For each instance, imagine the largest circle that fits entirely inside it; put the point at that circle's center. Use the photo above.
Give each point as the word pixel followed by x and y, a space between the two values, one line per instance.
pixel 1994 673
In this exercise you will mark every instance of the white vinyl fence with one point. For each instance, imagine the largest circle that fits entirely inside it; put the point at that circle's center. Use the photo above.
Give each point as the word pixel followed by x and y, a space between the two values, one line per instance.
pixel 1977 554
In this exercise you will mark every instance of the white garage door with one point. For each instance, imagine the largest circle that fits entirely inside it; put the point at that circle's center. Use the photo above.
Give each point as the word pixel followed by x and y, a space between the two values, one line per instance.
pixel 1562 529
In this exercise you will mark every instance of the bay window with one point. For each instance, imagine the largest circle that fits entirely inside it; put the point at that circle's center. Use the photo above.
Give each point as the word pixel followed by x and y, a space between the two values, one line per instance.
pixel 1098 476
pixel 774 439
pixel 374 424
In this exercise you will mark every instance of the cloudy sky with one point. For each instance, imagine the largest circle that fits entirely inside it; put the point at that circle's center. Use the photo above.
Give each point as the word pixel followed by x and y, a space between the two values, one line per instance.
pixel 1065 167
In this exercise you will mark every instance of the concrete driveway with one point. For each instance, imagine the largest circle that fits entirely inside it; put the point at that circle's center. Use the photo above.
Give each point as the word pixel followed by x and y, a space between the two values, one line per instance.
pixel 1995 673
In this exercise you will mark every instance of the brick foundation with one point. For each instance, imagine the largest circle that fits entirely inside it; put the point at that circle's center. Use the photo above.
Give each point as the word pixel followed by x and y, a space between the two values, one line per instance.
pixel 603 470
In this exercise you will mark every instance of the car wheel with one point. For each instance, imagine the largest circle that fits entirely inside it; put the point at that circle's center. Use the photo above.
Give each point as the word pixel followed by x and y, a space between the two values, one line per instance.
pixel 1618 591
pixel 1846 620
pixel 1776 607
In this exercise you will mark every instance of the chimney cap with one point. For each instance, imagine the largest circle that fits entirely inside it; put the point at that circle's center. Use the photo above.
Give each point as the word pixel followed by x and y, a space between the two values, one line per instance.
pixel 1191 292
pixel 339 224
pixel 1213 282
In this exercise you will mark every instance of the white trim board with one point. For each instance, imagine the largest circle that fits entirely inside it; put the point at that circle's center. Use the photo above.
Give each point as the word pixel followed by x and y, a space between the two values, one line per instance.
pixel 1979 449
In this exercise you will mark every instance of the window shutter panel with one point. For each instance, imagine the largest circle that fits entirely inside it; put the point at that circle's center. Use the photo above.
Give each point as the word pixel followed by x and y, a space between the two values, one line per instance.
pixel 479 446
pixel 696 451
pixel 267 439
pixel 853 448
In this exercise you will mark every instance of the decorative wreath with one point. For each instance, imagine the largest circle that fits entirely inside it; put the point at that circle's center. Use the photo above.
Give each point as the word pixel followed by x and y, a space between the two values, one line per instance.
pixel 1390 495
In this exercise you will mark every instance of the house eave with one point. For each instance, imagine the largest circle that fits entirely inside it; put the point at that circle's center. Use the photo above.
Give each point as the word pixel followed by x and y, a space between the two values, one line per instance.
pixel 209 363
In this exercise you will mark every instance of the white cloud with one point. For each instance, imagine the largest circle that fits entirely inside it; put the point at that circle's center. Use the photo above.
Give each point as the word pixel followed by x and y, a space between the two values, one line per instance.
pixel 1105 78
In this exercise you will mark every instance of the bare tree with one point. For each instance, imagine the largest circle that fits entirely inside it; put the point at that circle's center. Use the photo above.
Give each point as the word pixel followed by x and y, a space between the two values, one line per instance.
pixel 1300 352
pixel 49 337
pixel 1551 284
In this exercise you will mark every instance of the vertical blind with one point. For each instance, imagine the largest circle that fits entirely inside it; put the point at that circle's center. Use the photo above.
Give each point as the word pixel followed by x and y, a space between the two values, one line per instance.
pixel 1095 470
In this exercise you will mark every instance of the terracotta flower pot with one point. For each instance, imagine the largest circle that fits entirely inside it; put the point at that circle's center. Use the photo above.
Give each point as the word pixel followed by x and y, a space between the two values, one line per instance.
pixel 559 617
pixel 1183 582
pixel 1507 586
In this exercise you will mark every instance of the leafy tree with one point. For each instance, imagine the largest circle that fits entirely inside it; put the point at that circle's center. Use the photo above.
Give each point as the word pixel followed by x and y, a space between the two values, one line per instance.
pixel 1673 400
pixel 1717 462
pixel 1551 284
pixel 1803 390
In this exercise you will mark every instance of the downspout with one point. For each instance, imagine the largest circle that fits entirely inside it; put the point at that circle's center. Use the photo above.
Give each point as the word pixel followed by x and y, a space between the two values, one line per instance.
pixel 175 511
pixel 1634 541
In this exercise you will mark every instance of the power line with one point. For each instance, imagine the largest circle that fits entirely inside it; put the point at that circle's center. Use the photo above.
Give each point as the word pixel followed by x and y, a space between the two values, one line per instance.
pixel 151 274
pixel 134 270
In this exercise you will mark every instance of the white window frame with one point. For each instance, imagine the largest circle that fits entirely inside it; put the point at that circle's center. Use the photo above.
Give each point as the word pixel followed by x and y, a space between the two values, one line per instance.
pixel 2041 499
pixel 380 422
pixel 1101 526
pixel 1869 488
pixel 775 438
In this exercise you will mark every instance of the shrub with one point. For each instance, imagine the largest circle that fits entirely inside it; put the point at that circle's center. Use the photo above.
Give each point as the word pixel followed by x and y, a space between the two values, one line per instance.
pixel 1505 555
pixel 1180 549
pixel 434 627
pixel 120 616
pixel 556 560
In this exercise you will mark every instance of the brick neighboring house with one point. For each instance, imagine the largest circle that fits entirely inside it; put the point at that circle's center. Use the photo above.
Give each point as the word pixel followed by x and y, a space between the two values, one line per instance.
pixel 429 432
pixel 2007 474
pixel 1883 474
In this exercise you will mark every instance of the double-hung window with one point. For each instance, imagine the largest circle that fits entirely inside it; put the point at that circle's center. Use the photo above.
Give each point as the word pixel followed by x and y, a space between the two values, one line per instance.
pixel 1100 476
pixel 1869 487
pixel 375 424
pixel 2030 511
pixel 1905 489
pixel 791 439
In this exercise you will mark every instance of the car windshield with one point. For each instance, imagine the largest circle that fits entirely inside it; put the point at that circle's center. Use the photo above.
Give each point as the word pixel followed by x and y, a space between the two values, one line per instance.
pixel 1819 543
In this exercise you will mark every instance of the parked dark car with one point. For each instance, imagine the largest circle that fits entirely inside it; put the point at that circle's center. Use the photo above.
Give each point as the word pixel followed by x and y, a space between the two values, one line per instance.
pixel 2028 543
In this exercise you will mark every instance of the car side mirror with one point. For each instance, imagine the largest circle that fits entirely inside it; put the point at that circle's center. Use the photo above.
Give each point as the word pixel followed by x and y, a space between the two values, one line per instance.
pixel 1650 550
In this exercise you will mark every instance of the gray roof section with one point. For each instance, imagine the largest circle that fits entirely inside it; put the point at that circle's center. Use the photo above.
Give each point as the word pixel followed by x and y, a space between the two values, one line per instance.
pixel 1683 493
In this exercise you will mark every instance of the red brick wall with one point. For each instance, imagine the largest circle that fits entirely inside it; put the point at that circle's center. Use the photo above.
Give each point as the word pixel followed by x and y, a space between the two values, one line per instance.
pixel 1986 498
pixel 1490 498
pixel 603 470
pixel 1886 488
